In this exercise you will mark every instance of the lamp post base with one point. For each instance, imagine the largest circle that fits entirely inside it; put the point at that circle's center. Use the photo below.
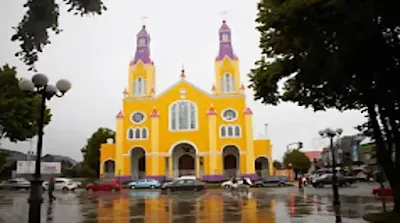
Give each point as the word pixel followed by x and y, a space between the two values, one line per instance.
pixel 35 201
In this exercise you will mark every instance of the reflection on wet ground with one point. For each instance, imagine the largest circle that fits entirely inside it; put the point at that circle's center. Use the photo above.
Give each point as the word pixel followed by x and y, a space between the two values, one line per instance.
pixel 261 205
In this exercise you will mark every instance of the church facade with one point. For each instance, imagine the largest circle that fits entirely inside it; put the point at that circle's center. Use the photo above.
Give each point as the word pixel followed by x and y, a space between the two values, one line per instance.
pixel 185 130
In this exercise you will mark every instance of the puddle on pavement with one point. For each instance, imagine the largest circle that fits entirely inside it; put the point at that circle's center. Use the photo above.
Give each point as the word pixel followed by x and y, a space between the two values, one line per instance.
pixel 211 206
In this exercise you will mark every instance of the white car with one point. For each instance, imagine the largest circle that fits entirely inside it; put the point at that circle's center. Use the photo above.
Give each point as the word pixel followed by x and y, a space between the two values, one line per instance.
pixel 63 184
pixel 186 178
pixel 229 184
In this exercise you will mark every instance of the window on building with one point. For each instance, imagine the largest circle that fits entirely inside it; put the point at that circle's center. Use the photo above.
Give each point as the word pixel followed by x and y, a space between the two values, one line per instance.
pixel 223 131
pixel 130 134
pixel 227 83
pixel 230 131
pixel 225 37
pixel 229 115
pixel 138 133
pixel 142 42
pixel 139 87
pixel 237 131
pixel 183 116
pixel 138 117
pixel 144 133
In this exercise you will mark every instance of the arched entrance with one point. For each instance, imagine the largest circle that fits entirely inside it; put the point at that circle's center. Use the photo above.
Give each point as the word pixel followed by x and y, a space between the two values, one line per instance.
pixel 231 161
pixel 262 166
pixel 109 169
pixel 183 160
pixel 138 163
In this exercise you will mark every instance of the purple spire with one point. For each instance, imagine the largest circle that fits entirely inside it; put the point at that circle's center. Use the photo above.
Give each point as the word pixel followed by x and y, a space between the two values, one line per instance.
pixel 142 47
pixel 225 43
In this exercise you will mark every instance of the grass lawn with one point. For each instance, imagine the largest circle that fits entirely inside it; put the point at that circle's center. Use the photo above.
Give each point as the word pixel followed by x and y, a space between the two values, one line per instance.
pixel 388 217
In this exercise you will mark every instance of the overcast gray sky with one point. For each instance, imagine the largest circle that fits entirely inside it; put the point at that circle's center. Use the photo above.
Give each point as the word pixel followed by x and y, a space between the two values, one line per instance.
pixel 94 52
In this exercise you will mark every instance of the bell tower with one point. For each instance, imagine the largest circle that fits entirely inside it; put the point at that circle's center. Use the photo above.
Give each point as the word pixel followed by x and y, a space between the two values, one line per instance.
pixel 227 74
pixel 141 80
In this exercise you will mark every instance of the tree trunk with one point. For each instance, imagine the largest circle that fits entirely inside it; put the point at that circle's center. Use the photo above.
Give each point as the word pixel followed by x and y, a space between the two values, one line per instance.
pixel 384 157
pixel 396 199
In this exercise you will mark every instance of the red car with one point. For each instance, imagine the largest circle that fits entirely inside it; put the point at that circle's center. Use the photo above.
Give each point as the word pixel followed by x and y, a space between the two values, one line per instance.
pixel 387 191
pixel 104 185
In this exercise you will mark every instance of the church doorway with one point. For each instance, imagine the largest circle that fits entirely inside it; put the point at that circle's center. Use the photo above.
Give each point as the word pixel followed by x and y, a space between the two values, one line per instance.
pixel 138 163
pixel 231 161
pixel 262 167
pixel 183 160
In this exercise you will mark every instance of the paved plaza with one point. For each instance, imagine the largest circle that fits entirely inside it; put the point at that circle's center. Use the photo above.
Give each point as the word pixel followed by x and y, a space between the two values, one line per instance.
pixel 263 205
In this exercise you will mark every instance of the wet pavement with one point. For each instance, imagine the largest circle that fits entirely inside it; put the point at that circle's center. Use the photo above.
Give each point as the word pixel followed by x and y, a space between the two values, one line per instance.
pixel 263 205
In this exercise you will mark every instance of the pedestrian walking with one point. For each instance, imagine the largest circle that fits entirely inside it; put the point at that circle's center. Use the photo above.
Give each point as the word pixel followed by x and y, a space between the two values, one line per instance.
pixel 300 182
pixel 51 188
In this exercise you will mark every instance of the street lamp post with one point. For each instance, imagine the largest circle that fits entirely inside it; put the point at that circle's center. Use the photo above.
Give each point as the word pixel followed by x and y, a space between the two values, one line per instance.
pixel 39 86
pixel 330 133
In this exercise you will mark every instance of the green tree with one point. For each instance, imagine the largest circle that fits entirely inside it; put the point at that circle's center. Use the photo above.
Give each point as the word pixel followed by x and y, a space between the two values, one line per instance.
pixel 91 151
pixel 299 160
pixel 277 164
pixel 19 111
pixel 335 54
pixel 41 18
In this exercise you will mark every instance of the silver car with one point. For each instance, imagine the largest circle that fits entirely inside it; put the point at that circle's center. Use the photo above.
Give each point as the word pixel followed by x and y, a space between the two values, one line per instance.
pixel 15 184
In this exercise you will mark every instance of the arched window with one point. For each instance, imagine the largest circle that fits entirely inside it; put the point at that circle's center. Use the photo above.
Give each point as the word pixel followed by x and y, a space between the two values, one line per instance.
pixel 137 134
pixel 237 131
pixel 227 83
pixel 139 87
pixel 144 133
pixel 183 116
pixel 230 131
pixel 222 131
pixel 130 133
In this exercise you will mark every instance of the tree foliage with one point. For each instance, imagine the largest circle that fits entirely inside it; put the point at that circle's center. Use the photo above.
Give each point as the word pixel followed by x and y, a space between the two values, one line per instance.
pixel 19 112
pixel 91 151
pixel 299 160
pixel 335 54
pixel 277 164
pixel 41 18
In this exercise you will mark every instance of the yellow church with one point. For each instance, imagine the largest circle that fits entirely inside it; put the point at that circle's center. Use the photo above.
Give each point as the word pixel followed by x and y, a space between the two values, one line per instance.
pixel 185 130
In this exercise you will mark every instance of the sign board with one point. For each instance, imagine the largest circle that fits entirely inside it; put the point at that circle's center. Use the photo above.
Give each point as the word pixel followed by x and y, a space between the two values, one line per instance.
pixel 28 167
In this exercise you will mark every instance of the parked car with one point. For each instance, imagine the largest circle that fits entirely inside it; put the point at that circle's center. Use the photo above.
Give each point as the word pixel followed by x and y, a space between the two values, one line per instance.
pixel 15 184
pixel 104 185
pixel 183 185
pixel 271 181
pixel 387 191
pixel 228 184
pixel 326 179
pixel 63 184
pixel 144 183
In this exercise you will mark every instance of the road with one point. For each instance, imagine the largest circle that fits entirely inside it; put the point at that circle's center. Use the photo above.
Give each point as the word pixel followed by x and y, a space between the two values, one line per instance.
pixel 266 205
